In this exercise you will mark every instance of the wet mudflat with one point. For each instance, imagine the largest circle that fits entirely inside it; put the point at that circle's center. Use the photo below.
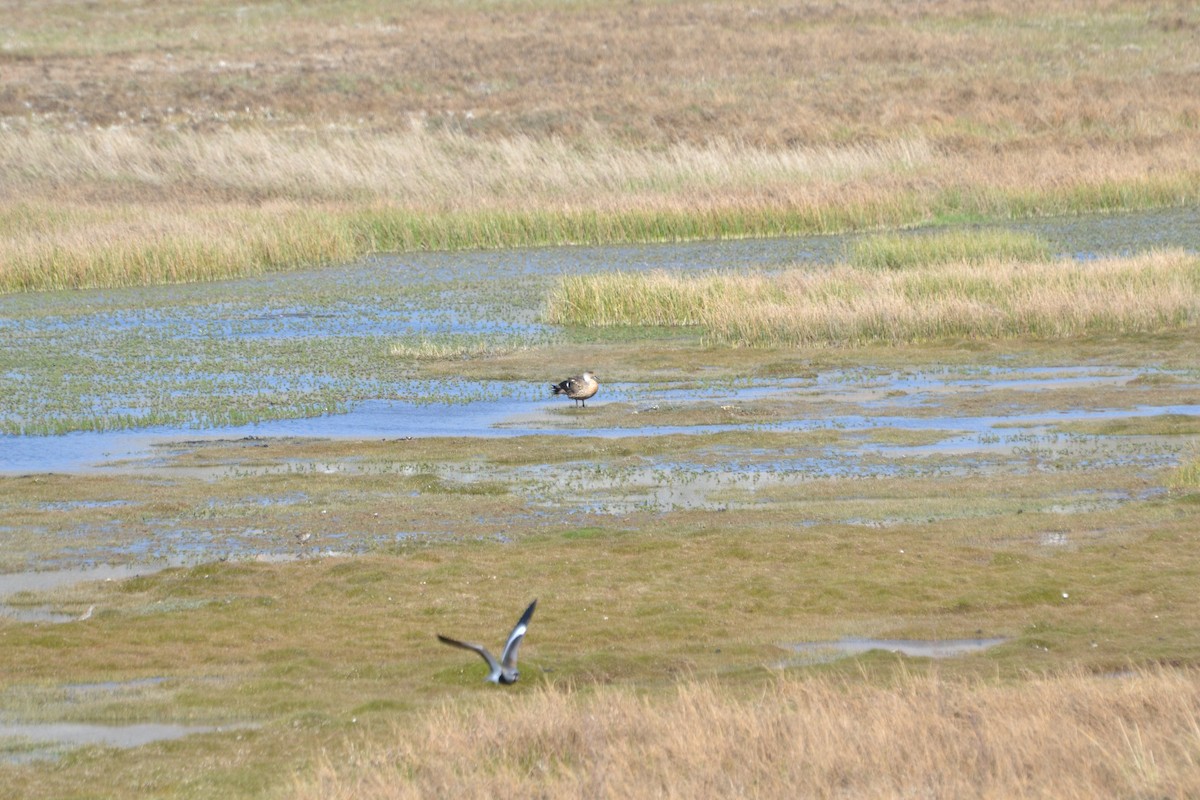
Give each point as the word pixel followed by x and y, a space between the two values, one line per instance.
pixel 709 448
pixel 255 502
pixel 128 385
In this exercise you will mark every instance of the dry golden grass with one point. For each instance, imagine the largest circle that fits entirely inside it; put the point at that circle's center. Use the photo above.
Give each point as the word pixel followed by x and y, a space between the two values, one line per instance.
pixel 772 74
pixel 1073 736
pixel 855 305
pixel 420 168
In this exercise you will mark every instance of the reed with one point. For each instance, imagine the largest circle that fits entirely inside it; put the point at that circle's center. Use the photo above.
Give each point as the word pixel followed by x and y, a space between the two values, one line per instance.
pixel 847 305
pixel 1059 736
pixel 84 247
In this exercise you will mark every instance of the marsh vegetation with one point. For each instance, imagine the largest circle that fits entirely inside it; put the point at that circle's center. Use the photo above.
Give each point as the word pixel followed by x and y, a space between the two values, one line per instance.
pixel 202 141
pixel 983 297
pixel 242 504
pixel 292 586
pixel 832 736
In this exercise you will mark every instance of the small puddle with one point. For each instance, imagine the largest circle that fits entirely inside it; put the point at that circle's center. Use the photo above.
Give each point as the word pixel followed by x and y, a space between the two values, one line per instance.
pixel 51 738
pixel 115 686
pixel 824 652
pixel 45 580
pixel 37 615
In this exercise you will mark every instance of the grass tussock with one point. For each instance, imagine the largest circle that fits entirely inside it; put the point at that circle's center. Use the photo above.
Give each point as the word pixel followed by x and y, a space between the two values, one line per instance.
pixel 897 251
pixel 1187 477
pixel 84 247
pixel 850 305
pixel 1073 736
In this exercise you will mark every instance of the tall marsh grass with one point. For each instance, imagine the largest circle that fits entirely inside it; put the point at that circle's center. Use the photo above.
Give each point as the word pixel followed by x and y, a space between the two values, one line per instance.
pixel 126 206
pixel 300 138
pixel 900 251
pixel 444 170
pixel 848 305
pixel 1063 737
pixel 72 246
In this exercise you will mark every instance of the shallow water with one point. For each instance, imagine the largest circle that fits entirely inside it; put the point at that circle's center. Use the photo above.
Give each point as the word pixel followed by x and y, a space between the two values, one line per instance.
pixel 319 339
pixel 52 738
pixel 44 580
pixel 39 581
pixel 500 409
pixel 184 356
pixel 821 652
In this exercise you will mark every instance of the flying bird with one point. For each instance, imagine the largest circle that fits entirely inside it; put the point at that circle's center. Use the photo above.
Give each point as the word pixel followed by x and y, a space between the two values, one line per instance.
pixel 505 670
pixel 579 388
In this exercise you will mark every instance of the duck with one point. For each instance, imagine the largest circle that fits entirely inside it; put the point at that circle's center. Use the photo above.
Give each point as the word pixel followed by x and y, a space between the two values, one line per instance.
pixel 579 388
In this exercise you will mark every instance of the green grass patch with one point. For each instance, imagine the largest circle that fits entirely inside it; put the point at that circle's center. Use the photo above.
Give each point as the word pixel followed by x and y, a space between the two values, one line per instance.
pixel 967 245
pixel 903 437
pixel 457 347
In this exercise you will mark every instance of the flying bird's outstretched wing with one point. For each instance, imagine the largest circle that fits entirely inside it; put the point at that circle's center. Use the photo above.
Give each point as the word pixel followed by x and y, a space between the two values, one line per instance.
pixel 478 648
pixel 509 659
